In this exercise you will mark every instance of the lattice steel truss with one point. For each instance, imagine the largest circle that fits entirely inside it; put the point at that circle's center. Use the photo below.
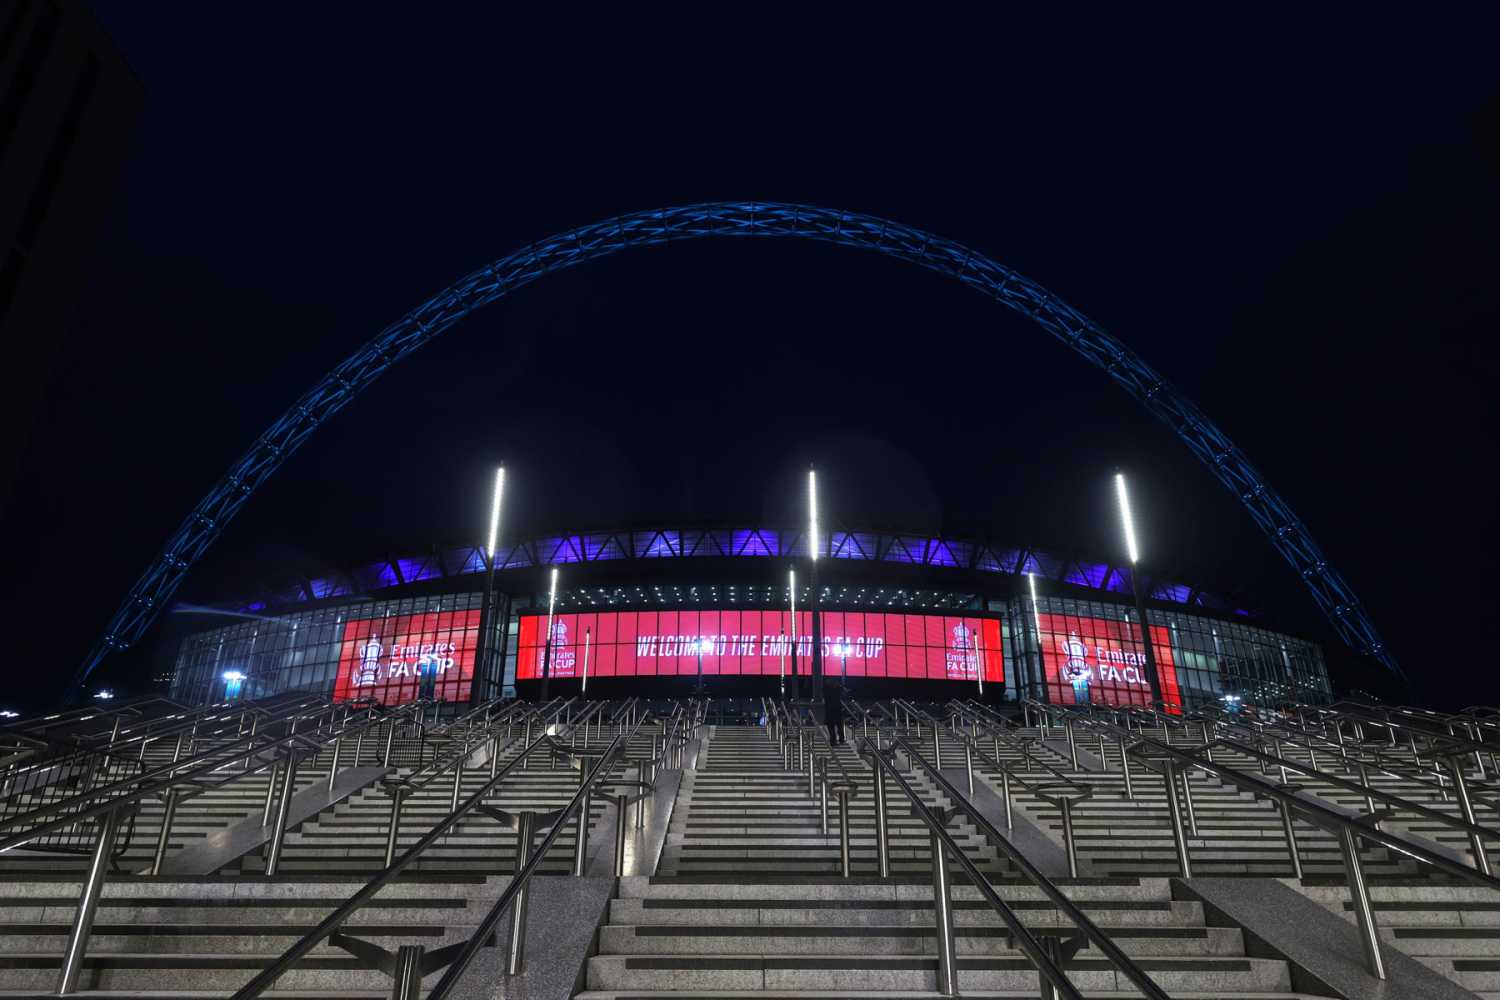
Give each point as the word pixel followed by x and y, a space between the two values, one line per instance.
pixel 1212 447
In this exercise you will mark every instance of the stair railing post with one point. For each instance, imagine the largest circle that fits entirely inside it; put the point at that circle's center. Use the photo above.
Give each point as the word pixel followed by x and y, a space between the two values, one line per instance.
pixel 622 804
pixel 333 768
pixel 844 865
pixel 581 844
pixel 273 771
pixel 283 810
pixel 882 825
pixel 515 958
pixel 88 902
pixel 390 738
pixel 1289 831
pixel 1359 892
pixel 1066 804
pixel 1466 809
pixel 1187 799
pixel 169 813
pixel 393 828
pixel 406 972
pixel 937 749
pixel 1174 811
pixel 947 978
pixel 969 765
pixel 1125 770
pixel 1005 794
pixel 1072 744
pixel 458 779
pixel 823 797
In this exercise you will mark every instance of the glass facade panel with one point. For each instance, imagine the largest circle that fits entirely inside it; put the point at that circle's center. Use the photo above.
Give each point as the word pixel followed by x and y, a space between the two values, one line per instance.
pixel 390 649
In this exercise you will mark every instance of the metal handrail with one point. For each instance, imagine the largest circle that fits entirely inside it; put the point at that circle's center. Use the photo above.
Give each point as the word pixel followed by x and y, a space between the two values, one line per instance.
pixel 46 754
pixel 1303 739
pixel 1048 888
pixel 113 811
pixel 1346 829
pixel 1476 833
pixel 177 773
pixel 996 734
pixel 942 843
pixel 331 923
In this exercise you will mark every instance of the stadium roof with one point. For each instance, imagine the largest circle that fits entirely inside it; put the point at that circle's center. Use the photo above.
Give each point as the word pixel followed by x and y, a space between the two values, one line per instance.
pixel 896 548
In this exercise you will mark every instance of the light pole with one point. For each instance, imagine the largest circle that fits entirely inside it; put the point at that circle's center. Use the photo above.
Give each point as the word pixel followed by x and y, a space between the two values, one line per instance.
pixel 1040 676
pixel 587 635
pixel 547 649
pixel 1128 524
pixel 781 672
pixel 979 657
pixel 813 545
pixel 486 612
pixel 703 645
pixel 792 594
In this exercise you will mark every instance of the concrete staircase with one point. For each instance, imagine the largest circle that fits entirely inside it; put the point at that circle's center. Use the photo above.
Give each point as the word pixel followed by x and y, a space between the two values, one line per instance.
pixel 351 837
pixel 1236 834
pixel 207 937
pixel 747 903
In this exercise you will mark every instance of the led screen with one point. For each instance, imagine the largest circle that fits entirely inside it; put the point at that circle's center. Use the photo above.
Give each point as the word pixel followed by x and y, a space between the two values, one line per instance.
pixel 665 643
pixel 1108 655
pixel 387 658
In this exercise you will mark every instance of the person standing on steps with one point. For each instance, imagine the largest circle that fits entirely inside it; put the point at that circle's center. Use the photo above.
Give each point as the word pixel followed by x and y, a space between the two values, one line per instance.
pixel 833 711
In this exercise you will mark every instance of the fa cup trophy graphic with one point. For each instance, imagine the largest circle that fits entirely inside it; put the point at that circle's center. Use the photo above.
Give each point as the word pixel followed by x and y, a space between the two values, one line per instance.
pixel 368 670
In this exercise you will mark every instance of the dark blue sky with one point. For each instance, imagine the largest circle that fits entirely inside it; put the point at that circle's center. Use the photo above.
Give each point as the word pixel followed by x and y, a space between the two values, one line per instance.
pixel 1283 208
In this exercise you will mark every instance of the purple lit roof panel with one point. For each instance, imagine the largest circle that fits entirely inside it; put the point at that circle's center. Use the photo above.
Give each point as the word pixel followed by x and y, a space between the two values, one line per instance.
pixel 941 552
pixel 598 548
pixel 413 570
pixel 657 544
pixel 753 543
pixel 904 550
pixel 988 562
pixel 567 549
pixel 1175 592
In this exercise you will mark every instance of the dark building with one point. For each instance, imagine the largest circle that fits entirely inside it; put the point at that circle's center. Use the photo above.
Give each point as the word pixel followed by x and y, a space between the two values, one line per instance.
pixel 69 105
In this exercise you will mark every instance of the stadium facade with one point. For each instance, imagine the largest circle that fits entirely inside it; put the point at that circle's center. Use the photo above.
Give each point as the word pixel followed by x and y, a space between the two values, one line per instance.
pixel 648 610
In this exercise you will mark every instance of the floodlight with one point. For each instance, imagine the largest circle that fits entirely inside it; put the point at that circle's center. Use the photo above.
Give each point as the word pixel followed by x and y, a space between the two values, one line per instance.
pixel 1125 519
pixel 495 512
pixel 812 513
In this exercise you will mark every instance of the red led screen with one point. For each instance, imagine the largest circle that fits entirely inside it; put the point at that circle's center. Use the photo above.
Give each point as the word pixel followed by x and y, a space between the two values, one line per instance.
pixel 1108 653
pixel 658 643
pixel 386 658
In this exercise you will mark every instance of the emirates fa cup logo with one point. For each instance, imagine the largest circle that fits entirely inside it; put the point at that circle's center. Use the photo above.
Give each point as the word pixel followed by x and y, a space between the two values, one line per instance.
pixel 367 672
pixel 559 634
pixel 1075 657
pixel 961 633
pixel 962 658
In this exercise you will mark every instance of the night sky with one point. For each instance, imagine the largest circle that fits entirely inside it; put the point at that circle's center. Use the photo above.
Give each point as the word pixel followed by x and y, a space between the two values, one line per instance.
pixel 1285 209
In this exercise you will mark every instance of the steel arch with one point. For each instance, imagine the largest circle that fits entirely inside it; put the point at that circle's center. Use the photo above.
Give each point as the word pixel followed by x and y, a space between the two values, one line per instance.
pixel 1212 447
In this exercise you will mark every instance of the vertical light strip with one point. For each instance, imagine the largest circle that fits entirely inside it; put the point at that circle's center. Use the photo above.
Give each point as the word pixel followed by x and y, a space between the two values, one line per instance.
pixel 1036 617
pixel 792 590
pixel 781 676
pixel 551 602
pixel 1125 518
pixel 812 513
pixel 495 511
pixel 979 655
pixel 587 634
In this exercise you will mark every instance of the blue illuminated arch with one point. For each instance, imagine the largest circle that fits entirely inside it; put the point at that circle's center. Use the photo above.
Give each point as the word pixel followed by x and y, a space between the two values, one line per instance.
pixel 641 229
